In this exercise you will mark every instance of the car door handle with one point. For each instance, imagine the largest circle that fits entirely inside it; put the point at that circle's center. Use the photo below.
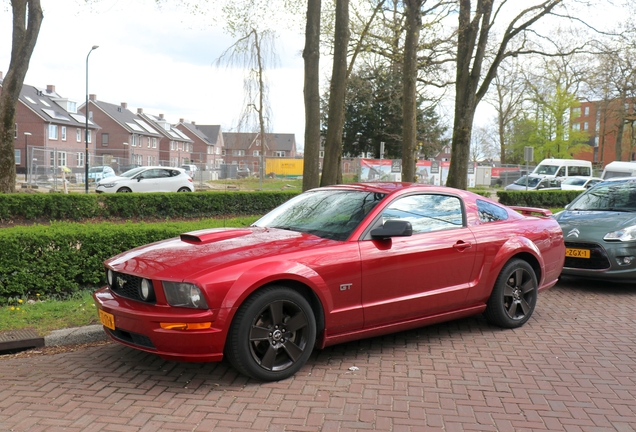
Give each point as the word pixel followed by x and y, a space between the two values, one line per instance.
pixel 460 245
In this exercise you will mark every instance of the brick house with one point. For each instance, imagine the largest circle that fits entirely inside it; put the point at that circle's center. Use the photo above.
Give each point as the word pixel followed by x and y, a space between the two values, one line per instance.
pixel 244 148
pixel 124 138
pixel 601 120
pixel 175 147
pixel 208 144
pixel 49 132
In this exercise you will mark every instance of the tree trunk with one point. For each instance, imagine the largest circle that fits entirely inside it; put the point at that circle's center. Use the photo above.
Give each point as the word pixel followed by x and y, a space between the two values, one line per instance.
pixel 311 55
pixel 621 128
pixel 27 18
pixel 332 167
pixel 409 98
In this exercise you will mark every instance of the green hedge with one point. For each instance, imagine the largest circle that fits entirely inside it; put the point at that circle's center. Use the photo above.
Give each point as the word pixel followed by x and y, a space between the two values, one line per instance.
pixel 77 207
pixel 542 199
pixel 62 258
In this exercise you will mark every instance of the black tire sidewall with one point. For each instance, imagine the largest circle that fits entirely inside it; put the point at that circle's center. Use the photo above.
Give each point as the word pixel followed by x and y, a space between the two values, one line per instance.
pixel 495 312
pixel 237 348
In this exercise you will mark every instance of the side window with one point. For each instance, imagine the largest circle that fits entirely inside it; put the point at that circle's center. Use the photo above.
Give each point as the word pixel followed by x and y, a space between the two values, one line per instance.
pixel 561 172
pixel 489 212
pixel 427 213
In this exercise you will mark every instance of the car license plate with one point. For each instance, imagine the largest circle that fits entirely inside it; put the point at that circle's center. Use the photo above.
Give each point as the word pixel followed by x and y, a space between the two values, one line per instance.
pixel 108 320
pixel 577 253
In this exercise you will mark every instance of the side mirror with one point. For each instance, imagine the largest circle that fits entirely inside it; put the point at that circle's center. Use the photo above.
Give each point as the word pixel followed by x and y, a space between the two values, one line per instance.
pixel 393 228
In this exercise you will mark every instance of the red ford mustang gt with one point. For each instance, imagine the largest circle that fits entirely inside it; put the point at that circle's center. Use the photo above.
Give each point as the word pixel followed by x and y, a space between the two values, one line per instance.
pixel 331 265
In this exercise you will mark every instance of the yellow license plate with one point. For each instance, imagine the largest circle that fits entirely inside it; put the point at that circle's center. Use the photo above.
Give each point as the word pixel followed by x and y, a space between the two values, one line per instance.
pixel 107 319
pixel 577 253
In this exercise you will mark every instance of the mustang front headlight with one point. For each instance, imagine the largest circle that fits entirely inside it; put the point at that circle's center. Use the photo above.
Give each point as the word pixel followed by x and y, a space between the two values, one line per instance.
pixel 624 234
pixel 184 295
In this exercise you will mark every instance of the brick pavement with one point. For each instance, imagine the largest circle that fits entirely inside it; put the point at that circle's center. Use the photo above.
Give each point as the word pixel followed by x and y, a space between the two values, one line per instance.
pixel 572 367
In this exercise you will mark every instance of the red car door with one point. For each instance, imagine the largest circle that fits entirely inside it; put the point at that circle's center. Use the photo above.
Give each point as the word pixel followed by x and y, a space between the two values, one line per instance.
pixel 424 274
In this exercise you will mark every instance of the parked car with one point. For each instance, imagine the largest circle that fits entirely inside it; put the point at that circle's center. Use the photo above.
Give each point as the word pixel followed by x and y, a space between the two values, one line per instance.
pixel 190 169
pixel 97 173
pixel 243 173
pixel 579 182
pixel 533 182
pixel 600 232
pixel 331 265
pixel 148 179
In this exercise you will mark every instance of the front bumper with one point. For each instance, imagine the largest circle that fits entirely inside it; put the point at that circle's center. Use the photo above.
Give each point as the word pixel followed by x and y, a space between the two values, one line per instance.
pixel 603 262
pixel 137 325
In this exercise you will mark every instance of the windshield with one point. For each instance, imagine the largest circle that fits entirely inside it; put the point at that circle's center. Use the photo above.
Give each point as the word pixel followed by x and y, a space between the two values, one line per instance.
pixel 532 181
pixel 612 196
pixel 332 214
pixel 546 169
pixel 133 172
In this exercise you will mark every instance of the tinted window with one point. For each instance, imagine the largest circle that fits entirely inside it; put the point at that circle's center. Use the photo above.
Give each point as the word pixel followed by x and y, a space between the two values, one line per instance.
pixel 426 212
pixel 608 196
pixel 489 212
pixel 579 171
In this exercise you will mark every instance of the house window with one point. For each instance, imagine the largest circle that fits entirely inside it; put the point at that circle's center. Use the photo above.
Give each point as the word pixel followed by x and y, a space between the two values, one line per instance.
pixel 78 135
pixel 223 152
pixel 171 145
pixel 576 112
pixel 53 132
pixel 321 154
pixel 587 110
pixel 90 136
pixel 149 144
pixel 105 139
pixel 238 152
pixel 576 126
pixel 63 133
pixel 279 154
pixel 585 126
pixel 15 131
pixel 134 141
pixel 61 159
pixel 80 159
pixel 255 153
pixel 18 157
pixel 154 143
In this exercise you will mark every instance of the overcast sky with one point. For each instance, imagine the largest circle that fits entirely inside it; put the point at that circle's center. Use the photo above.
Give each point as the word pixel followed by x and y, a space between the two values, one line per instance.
pixel 161 60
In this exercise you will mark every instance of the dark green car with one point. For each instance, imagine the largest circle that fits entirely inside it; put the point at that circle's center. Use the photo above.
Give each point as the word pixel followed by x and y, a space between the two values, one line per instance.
pixel 599 227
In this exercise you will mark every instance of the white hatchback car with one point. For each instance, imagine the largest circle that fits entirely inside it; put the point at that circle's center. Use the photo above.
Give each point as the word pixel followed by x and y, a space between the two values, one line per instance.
pixel 579 182
pixel 148 179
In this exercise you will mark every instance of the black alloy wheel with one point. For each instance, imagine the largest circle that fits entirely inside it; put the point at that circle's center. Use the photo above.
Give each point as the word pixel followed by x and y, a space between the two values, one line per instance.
pixel 514 295
pixel 272 334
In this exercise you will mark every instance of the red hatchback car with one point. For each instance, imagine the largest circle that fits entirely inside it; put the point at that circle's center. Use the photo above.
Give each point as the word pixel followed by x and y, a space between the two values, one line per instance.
pixel 331 265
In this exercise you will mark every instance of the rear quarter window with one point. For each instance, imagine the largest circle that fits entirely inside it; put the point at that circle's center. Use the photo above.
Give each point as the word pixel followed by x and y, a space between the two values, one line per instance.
pixel 489 212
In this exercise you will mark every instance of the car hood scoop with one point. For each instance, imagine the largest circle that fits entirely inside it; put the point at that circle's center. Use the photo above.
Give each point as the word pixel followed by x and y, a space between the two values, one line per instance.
pixel 209 236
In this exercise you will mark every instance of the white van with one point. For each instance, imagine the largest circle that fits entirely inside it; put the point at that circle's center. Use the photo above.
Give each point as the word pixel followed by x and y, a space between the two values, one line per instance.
pixel 619 169
pixel 563 168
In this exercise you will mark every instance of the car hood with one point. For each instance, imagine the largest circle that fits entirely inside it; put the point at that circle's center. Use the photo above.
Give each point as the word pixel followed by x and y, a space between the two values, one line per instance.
pixel 114 179
pixel 212 249
pixel 578 225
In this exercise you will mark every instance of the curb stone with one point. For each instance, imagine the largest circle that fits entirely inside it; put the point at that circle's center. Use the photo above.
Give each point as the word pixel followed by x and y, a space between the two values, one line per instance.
pixel 75 335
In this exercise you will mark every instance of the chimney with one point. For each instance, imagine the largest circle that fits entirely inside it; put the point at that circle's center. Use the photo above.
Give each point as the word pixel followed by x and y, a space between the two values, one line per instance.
pixel 140 110
pixel 50 88
pixel 161 116
pixel 0 75
pixel 124 105
pixel 180 120
pixel 92 97
pixel 193 123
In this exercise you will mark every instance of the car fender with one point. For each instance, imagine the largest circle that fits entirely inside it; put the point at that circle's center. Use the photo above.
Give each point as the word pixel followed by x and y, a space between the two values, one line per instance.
pixel 514 246
pixel 265 273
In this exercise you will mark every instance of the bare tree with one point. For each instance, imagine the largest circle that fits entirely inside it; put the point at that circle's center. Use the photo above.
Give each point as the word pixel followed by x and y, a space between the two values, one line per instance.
pixel 311 55
pixel 253 51
pixel 27 18
pixel 471 84
pixel 331 171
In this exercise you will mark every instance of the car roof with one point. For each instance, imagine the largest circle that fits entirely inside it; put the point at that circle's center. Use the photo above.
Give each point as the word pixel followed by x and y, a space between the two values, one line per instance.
pixel 392 187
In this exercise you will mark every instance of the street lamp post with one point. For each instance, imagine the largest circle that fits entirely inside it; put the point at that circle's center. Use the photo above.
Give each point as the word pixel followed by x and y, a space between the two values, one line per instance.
pixel 26 155
pixel 86 131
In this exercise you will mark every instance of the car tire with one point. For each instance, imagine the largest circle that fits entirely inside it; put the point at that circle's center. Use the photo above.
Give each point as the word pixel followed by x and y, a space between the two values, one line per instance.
pixel 514 295
pixel 124 190
pixel 184 189
pixel 272 334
